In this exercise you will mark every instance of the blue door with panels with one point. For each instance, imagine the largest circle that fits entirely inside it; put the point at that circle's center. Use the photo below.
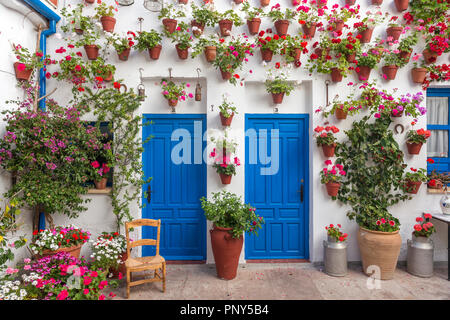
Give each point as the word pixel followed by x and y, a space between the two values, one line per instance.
pixel 174 160
pixel 276 184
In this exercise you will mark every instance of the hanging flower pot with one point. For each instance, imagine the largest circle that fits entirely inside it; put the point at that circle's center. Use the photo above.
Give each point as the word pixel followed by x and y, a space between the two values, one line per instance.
pixel 78 31
pixel 226 75
pixel 197 28
pixel 101 184
pixel 108 23
pixel 278 97
pixel 182 53
pixel 266 55
pixel 394 32
pixel 253 25
pixel 90 1
pixel 418 74
pixel 340 114
pixel 225 26
pixel 350 2
pixel 401 5
pixel 123 56
pixel 282 27
pixel 413 186
pixel 363 73
pixel 413 148
pixel 396 114
pixel 91 51
pixel 108 77
pixel 170 24
pixel 172 102
pixel 155 52
pixel 332 188
pixel 390 71
pixel 225 178
pixel 210 53
pixel 350 57
pixel 309 31
pixel 238 1
pixel 319 52
pixel 22 73
pixel 328 150
pixel 183 1
pixel 226 251
pixel 296 53
pixel 405 55
pixel 338 25
pixel 264 3
pixel 377 2
pixel 336 75
pixel 226 122
pixel 429 56
pixel 366 35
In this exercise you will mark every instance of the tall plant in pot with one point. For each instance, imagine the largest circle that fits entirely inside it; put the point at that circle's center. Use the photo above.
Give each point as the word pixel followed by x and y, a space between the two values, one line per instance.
pixel 151 41
pixel 231 218
pixel 89 41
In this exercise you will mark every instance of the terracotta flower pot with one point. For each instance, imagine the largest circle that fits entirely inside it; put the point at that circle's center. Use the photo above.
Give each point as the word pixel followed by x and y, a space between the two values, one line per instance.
pixel 338 25
pixel 225 26
pixel 155 52
pixel 405 55
pixel 394 32
pixel 90 1
pixel 413 148
pixel 200 28
pixel 340 114
pixel 336 75
pixel 238 1
pixel 401 5
pixel 170 24
pixel 91 51
pixel 350 57
pixel 366 35
pixel 364 73
pixel 182 53
pixel 333 188
pixel 22 74
pixel 253 25
pixel 377 2
pixel 282 27
pixel 379 250
pixel 277 97
pixel 328 150
pixel 172 102
pixel 296 53
pixel 390 71
pixel 418 74
pixel 210 53
pixel 108 76
pixel 183 1
pixel 226 179
pixel 429 56
pixel 121 269
pixel 266 55
pixel 78 31
pixel 108 23
pixel 74 251
pixel 226 75
pixel 413 186
pixel 226 122
pixel 226 251
pixel 123 56
pixel 100 185
pixel 264 3
pixel 350 2
pixel 309 31
pixel 319 51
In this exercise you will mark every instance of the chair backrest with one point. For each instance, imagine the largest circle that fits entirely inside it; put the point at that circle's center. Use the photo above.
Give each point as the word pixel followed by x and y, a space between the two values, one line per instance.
pixel 142 242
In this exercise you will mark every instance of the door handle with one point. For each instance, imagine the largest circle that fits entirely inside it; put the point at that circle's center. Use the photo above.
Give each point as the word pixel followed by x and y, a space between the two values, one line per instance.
pixel 149 193
pixel 301 190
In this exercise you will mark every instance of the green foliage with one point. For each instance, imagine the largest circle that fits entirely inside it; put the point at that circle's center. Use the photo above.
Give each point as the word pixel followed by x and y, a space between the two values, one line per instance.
pixel 76 18
pixel 251 12
pixel 226 210
pixel 416 175
pixel 276 14
pixel 147 40
pixel 394 59
pixel 204 15
pixel 233 16
pixel 418 136
pixel 121 43
pixel 407 43
pixel 169 11
pixel 202 42
pixel 180 36
pixel 278 82
pixel 227 108
pixel 103 10
pixel 430 11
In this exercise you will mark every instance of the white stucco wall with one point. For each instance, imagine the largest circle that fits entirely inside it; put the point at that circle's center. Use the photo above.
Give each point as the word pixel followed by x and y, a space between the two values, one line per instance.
pixel 250 98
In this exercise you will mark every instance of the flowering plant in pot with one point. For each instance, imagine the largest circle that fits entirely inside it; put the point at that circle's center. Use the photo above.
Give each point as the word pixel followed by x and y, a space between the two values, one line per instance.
pixel 89 42
pixel 338 67
pixel 439 73
pixel 252 15
pixel 408 104
pixel 106 15
pixel 437 180
pixel 426 12
pixel 182 38
pixel 151 41
pixel 338 16
pixel 406 45
pixel 27 62
pixel 415 139
pixel 100 173
pixel 277 84
pixel 109 252
pixel 207 45
pixel 123 44
pixel 270 45
pixel 349 47
pixel 414 179
pixel 332 178
pixel 391 63
pixel 225 167
pixel 281 19
pixel 226 21
pixel 231 219
pixel 294 46
pixel 169 15
pixel 203 16
pixel 394 29
pixel 78 22
pixel 424 228
pixel 175 92
pixel 334 233
pixel 326 139
pixel 366 61
pixel 367 24
pixel 308 18
pixel 227 111
pixel 435 47
pixel 101 71
pixel 342 108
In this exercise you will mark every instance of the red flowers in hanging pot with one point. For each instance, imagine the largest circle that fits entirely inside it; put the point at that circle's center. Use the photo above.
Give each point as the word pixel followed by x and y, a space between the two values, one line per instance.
pixel 366 35
pixel 415 139
pixel 430 56
pixel 326 139
pixel 414 179
pixel 21 71
pixel 123 56
pixel 332 177
pixel 266 55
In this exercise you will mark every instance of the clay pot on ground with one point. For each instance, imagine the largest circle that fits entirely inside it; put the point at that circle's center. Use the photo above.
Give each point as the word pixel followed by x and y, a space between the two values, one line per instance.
pixel 155 52
pixel 413 148
pixel 108 23
pixel 429 56
pixel 264 3
pixel 74 251
pixel 226 75
pixel 390 71
pixel 123 56
pixel 266 55
pixel 418 74
pixel 200 28
pixel 309 31
pixel 226 122
pixel 340 114
pixel 277 98
pixel 401 5
pixel 394 32
pixel 101 184
pixel 22 74
pixel 328 150
pixel 226 251
pixel 225 178
pixel 172 102
pixel 121 268
pixel 253 25
pixel 210 53
pixel 225 26
pixel 333 188
pixel 282 27
pixel 336 75
pixel 91 51
pixel 366 35
pixel 413 186
pixel 182 53
pixel 170 24
pixel 379 250
pixel 364 73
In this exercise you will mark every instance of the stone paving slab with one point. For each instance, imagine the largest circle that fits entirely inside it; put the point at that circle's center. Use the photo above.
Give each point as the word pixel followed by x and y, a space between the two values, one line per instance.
pixel 286 281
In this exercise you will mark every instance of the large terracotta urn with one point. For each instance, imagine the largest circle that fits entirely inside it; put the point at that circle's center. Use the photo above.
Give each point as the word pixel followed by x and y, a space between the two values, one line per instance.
pixel 226 251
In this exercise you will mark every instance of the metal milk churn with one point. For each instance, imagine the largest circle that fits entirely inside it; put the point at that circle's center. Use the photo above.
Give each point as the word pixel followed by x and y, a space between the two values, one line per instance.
pixel 335 257
pixel 419 260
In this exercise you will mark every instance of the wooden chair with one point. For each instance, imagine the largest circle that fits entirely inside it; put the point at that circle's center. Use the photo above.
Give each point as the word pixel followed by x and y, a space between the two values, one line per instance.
pixel 155 263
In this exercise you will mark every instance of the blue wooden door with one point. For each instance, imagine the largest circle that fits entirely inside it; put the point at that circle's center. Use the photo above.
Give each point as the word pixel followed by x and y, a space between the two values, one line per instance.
pixel 178 182
pixel 279 194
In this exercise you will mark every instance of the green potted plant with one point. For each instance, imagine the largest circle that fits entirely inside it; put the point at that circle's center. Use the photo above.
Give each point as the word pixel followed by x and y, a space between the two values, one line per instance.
pixel 349 47
pixel 281 19
pixel 366 62
pixel 231 218
pixel 394 29
pixel 391 63
pixel 78 21
pixel 366 26
pixel 151 41
pixel 100 173
pixel 173 92
pixel 203 16
pixel 270 45
pixel 325 138
pixel 226 21
pixel 332 177
pixel 88 41
pixel 252 14
pixel 182 38
pixel 414 179
pixel 227 110
pixel 106 15
pixel 415 139
pixel 278 85
pixel 308 18
pixel 207 45
pixel 293 48
pixel 169 15
pixel 123 44
pixel 109 252
pixel 27 62
pixel 338 16
pixel 101 71
pixel 405 46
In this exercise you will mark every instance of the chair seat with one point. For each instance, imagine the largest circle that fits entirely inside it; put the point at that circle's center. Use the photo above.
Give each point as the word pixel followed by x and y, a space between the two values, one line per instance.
pixel 139 262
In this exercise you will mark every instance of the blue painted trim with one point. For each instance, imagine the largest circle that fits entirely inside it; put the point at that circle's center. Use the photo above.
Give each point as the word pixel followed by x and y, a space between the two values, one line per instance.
pixel 305 159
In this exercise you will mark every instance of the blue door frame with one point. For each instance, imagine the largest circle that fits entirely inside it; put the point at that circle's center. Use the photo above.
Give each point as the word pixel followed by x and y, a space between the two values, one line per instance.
pixel 278 198
pixel 176 188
